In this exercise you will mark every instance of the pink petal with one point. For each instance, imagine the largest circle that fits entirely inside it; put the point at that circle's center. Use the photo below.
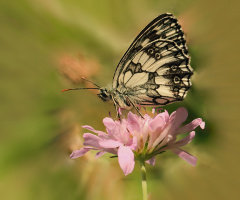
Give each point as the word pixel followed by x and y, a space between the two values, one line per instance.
pixel 111 150
pixel 93 130
pixel 173 115
pixel 109 123
pixel 147 117
pixel 113 128
pixel 164 115
pixel 186 156
pixel 185 140
pixel 178 117
pixel 133 144
pixel 151 161
pixel 191 126
pixel 117 131
pixel 134 122
pixel 126 159
pixel 174 122
pixel 153 110
pixel 91 140
pixel 145 131
pixel 110 143
pixel 124 136
pixel 80 152
pixel 202 125
pixel 157 123
pixel 99 154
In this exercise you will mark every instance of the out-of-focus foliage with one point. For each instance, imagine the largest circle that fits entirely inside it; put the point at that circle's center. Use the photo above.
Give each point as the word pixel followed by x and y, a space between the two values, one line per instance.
pixel 47 46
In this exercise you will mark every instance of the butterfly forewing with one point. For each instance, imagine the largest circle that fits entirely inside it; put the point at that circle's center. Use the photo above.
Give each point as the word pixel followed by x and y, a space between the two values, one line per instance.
pixel 165 27
pixel 156 69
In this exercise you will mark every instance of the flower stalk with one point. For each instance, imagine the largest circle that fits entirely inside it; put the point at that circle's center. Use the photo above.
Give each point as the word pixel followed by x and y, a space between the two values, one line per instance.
pixel 144 179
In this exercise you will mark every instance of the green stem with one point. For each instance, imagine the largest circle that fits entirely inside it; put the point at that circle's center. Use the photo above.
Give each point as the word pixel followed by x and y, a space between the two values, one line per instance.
pixel 144 179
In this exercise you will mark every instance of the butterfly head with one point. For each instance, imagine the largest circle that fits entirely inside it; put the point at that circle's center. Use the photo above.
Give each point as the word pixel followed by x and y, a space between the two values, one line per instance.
pixel 105 94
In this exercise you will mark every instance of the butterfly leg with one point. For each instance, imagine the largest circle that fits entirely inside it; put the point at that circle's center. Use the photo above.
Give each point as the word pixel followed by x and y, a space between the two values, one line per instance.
pixel 135 107
pixel 118 115
pixel 116 107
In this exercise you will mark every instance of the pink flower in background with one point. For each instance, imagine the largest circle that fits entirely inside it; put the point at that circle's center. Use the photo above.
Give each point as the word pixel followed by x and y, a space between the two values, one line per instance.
pixel 136 138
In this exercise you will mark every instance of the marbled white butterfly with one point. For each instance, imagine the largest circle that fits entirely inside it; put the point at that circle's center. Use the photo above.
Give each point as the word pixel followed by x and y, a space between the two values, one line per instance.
pixel 154 71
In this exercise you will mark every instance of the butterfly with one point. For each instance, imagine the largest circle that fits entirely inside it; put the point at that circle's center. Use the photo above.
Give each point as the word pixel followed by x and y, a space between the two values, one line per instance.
pixel 154 71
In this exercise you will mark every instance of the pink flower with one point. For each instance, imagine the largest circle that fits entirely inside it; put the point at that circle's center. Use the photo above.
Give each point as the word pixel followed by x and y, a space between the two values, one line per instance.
pixel 136 138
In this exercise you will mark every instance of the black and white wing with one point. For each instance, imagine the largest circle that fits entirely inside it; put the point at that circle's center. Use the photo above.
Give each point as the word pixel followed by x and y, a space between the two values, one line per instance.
pixel 156 69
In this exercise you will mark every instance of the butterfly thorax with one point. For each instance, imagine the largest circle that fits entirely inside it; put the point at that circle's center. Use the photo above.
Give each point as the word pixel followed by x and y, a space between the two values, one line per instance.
pixel 120 96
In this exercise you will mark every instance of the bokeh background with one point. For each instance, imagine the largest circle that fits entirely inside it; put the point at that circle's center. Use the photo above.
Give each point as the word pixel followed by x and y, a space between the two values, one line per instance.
pixel 47 46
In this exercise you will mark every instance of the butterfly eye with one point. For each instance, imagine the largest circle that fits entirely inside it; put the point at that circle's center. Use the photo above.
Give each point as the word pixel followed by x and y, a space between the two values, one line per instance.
pixel 104 94
pixel 176 79
pixel 150 51
pixel 157 55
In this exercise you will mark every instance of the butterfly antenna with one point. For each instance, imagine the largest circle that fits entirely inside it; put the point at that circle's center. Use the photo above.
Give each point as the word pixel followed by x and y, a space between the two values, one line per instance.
pixel 90 82
pixel 79 89
pixel 84 88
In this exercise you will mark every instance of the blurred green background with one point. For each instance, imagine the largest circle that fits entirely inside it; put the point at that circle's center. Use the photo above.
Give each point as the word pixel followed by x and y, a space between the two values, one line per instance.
pixel 47 46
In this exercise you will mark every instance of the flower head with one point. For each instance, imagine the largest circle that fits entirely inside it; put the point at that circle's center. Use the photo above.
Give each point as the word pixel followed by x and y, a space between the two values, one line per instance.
pixel 135 138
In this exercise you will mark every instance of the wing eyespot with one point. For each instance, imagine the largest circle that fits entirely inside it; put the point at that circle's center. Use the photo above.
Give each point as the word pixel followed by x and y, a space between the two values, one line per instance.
pixel 157 56
pixel 173 68
pixel 150 51
pixel 176 79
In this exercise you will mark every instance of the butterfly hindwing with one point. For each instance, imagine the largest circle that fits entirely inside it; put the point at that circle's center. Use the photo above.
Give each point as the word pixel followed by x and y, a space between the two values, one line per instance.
pixel 159 74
